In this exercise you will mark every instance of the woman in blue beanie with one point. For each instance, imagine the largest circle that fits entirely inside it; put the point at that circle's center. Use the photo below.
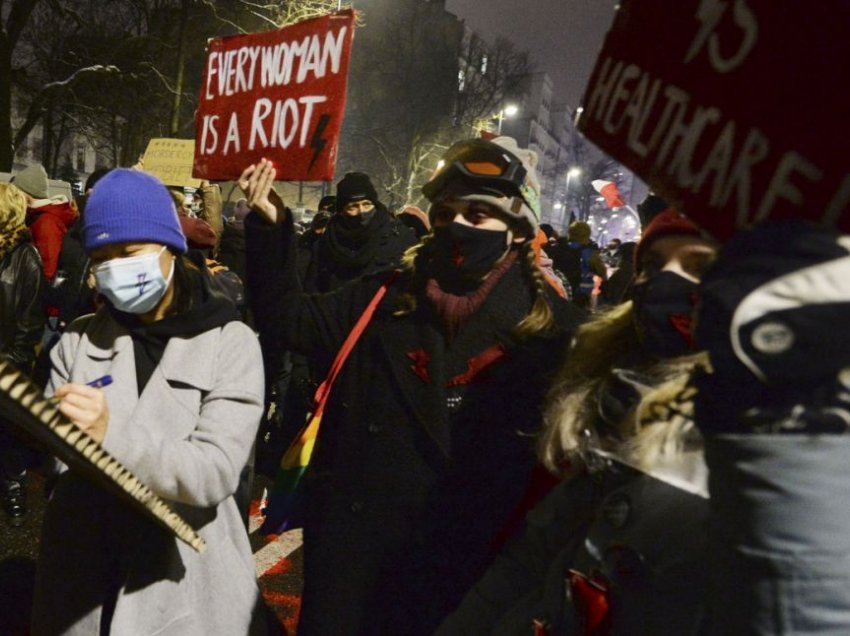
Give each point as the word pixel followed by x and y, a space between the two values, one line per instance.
pixel 181 413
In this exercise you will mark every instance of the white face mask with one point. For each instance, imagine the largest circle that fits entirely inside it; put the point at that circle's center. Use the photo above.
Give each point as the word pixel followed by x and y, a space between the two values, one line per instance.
pixel 134 284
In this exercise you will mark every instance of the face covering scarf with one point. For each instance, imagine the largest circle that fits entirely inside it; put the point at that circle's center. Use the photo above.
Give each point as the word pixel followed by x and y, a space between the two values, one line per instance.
pixel 134 284
pixel 466 253
pixel 664 307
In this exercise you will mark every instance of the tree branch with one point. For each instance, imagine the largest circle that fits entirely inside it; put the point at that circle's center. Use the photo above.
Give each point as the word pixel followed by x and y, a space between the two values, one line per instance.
pixel 37 108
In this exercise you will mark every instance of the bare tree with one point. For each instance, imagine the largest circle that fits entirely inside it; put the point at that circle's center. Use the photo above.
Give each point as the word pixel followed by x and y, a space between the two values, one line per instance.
pixel 419 82
pixel 61 59
pixel 490 76
pixel 14 18
pixel 487 77
pixel 248 16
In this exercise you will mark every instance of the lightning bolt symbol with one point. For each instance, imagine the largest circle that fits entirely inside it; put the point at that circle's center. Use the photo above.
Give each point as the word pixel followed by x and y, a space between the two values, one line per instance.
pixel 709 13
pixel 318 143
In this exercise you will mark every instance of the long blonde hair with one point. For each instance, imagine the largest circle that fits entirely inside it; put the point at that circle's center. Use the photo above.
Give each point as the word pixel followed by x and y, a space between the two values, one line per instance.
pixel 662 424
pixel 571 413
pixel 13 208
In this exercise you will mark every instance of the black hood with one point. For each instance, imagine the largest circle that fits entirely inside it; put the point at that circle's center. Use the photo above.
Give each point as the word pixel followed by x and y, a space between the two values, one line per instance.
pixel 351 243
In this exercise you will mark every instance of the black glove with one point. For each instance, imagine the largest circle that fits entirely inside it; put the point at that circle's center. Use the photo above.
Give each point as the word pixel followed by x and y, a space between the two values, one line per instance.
pixel 774 313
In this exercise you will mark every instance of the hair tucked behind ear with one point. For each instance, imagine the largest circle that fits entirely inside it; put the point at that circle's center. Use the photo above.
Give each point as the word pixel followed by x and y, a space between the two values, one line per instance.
pixel 540 318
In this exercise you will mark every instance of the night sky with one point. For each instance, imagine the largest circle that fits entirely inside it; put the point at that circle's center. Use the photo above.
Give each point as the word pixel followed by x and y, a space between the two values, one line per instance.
pixel 563 36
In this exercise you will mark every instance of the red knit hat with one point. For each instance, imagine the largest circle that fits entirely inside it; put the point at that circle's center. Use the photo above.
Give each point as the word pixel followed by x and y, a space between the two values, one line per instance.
pixel 666 223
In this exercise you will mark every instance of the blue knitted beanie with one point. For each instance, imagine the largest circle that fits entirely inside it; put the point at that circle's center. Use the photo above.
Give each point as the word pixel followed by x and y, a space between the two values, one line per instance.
pixel 131 206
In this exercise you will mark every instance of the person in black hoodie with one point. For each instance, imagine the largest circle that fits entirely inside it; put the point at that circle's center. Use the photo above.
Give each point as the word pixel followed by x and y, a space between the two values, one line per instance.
pixel 361 238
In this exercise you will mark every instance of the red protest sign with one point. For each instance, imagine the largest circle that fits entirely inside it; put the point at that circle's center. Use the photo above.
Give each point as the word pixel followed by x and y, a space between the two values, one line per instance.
pixel 278 95
pixel 732 110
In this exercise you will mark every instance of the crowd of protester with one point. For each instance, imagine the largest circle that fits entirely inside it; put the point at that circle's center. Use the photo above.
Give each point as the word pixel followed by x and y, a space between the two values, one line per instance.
pixel 532 436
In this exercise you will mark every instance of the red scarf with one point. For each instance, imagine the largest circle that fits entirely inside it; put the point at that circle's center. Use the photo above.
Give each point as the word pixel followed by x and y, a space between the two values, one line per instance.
pixel 454 310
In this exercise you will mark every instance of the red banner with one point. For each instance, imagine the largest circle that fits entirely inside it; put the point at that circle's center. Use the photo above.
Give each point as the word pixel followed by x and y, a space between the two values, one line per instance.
pixel 735 111
pixel 278 95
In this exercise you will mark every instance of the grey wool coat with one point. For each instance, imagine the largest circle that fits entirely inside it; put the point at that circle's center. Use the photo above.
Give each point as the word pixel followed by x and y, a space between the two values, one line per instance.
pixel 187 437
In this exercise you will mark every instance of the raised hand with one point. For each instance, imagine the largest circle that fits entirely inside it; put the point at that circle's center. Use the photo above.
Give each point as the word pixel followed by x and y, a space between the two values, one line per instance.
pixel 257 183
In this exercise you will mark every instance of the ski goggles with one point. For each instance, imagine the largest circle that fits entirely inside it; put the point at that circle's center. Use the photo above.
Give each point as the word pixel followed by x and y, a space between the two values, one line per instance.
pixel 480 164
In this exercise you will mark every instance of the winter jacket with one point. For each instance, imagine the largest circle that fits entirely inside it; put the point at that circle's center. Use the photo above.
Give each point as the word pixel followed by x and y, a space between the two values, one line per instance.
pixel 579 263
pixel 199 234
pixel 780 548
pixel 341 254
pixel 70 293
pixel 48 220
pixel 231 251
pixel 305 259
pixel 615 552
pixel 22 309
pixel 425 447
pixel 211 210
pixel 187 436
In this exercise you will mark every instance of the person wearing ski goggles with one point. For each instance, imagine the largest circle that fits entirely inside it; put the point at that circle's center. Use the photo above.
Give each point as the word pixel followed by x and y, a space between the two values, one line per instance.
pixel 425 451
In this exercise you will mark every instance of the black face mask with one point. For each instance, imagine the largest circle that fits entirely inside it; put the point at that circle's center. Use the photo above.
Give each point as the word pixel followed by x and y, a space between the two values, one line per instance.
pixel 464 253
pixel 353 222
pixel 664 307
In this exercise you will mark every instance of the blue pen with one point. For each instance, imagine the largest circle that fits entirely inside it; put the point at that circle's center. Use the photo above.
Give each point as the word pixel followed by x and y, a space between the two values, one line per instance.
pixel 98 383
pixel 101 382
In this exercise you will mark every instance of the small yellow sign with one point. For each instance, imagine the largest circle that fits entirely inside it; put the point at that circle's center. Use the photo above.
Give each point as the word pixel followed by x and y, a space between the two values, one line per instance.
pixel 171 160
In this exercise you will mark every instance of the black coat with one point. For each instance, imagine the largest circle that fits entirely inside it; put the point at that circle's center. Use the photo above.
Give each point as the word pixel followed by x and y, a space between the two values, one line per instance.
pixel 642 534
pixel 22 304
pixel 231 250
pixel 406 496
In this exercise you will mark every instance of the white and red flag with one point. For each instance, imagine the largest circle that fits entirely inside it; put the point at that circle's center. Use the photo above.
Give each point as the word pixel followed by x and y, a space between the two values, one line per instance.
pixel 608 189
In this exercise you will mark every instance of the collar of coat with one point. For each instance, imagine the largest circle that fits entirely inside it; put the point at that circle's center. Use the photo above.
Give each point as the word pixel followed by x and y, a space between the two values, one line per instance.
pixel 108 341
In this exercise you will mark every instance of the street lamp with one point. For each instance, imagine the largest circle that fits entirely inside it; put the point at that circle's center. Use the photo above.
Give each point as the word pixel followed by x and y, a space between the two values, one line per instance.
pixel 572 173
pixel 508 111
